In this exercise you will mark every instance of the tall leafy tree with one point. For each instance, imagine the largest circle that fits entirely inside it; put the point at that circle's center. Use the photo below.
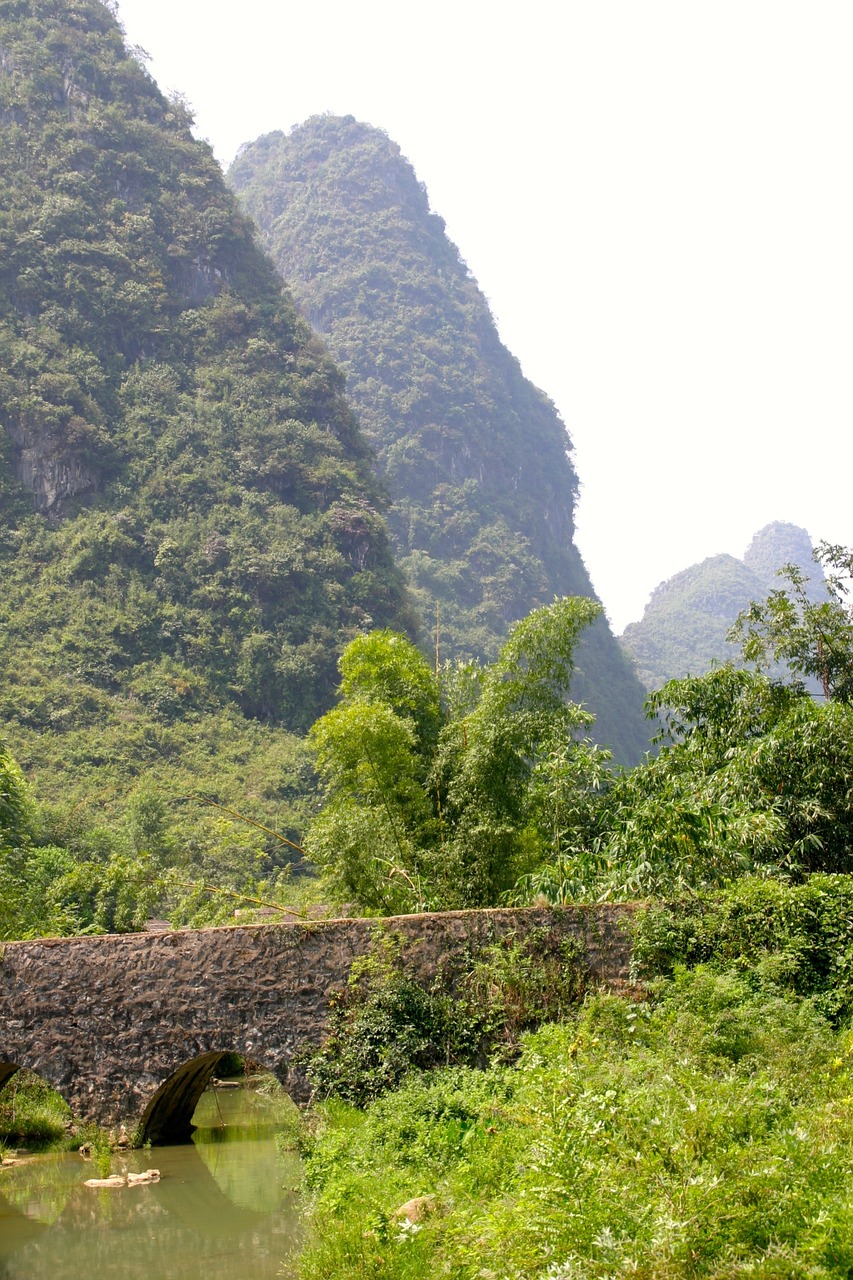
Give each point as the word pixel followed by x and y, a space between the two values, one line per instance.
pixel 432 777
pixel 754 777
pixel 811 632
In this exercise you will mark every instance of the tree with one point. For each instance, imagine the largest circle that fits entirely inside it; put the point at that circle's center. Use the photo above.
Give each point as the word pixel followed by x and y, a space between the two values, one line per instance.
pixel 754 778
pixel 16 807
pixel 494 760
pixel 433 780
pixel 754 772
pixel 813 636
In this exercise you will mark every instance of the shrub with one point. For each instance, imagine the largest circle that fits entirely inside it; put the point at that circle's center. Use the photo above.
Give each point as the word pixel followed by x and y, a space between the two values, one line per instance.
pixel 32 1114
pixel 800 935
pixel 384 1024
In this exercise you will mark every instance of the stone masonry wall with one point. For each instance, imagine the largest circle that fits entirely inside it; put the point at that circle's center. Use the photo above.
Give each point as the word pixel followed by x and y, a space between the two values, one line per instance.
pixel 113 1022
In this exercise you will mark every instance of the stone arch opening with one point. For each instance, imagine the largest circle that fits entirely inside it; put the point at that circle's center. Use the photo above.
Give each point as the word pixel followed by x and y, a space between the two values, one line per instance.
pixel 168 1116
pixel 7 1070
pixel 34 1110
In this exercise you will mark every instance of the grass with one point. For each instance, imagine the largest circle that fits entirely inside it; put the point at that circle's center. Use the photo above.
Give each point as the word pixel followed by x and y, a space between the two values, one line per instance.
pixel 33 1115
pixel 703 1134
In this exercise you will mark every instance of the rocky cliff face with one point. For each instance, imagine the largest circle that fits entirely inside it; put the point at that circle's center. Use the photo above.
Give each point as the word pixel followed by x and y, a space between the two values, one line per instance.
pixel 52 476
pixel 476 460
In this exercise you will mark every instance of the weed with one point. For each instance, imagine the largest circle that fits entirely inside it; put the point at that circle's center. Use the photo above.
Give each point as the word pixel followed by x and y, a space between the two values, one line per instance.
pixel 32 1114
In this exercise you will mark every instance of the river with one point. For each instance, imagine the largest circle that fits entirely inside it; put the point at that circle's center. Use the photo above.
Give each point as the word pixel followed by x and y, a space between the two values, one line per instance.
pixel 226 1205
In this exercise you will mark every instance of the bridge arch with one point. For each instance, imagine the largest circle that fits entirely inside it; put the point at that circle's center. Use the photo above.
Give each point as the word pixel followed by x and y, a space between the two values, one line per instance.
pixel 35 1108
pixel 7 1070
pixel 167 1118
pixel 168 1115
pixel 46 1070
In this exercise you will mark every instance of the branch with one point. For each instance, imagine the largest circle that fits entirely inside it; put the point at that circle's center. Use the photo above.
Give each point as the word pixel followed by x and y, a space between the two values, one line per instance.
pixel 243 897
pixel 252 823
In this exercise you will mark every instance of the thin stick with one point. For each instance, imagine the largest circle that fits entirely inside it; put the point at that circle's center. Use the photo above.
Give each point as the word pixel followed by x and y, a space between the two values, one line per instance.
pixel 218 1108
pixel 242 897
pixel 251 821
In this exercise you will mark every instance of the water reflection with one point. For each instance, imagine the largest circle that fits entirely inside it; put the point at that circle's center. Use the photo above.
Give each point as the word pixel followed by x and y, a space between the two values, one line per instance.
pixel 224 1208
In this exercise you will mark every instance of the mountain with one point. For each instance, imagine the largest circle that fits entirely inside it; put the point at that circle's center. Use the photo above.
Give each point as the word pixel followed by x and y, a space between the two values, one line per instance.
pixel 683 629
pixel 475 458
pixel 190 527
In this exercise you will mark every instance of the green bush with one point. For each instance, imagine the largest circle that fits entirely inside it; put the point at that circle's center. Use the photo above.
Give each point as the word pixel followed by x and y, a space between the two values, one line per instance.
pixel 32 1114
pixel 800 935
pixel 384 1024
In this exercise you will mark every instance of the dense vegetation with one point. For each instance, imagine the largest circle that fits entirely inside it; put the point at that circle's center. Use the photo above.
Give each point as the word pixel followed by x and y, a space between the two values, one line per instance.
pixel 384 1024
pixel 476 460
pixel 463 784
pixel 189 526
pixel 442 786
pixel 684 628
pixel 468 784
pixel 704 1133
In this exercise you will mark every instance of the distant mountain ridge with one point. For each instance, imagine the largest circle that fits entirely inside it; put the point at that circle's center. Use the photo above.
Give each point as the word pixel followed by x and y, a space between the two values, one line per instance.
pixel 684 625
pixel 476 459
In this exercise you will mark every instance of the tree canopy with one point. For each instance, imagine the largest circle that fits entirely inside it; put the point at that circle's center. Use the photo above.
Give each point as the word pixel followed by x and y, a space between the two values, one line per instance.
pixel 435 781
pixel 754 774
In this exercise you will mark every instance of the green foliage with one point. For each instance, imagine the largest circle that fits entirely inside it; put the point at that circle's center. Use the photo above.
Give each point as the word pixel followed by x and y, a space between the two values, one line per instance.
pixel 32 1114
pixel 703 1134
pixel 70 872
pixel 422 815
pixel 384 1024
pixel 101 1148
pixel 755 779
pixel 476 460
pixel 799 935
pixel 16 809
pixel 813 636
pixel 515 985
pixel 383 668
pixel 369 837
pixel 189 528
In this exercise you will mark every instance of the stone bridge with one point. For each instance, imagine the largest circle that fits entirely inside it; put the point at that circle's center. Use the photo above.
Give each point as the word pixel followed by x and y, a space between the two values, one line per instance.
pixel 131 1028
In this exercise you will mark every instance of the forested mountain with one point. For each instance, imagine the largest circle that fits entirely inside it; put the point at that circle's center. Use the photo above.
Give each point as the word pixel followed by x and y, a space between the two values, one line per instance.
pixel 190 527
pixel 475 458
pixel 683 629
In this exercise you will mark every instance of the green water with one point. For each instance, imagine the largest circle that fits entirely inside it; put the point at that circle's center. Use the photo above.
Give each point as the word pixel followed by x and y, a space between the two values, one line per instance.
pixel 225 1207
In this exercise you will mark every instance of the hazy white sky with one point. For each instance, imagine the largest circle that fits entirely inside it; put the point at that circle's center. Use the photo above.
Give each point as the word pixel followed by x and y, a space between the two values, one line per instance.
pixel 657 199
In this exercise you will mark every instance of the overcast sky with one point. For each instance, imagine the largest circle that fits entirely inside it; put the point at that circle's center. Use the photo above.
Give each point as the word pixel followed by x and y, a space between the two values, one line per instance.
pixel 656 198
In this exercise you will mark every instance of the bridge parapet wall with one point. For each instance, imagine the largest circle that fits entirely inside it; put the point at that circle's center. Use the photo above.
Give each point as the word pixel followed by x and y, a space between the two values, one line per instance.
pixel 108 1021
